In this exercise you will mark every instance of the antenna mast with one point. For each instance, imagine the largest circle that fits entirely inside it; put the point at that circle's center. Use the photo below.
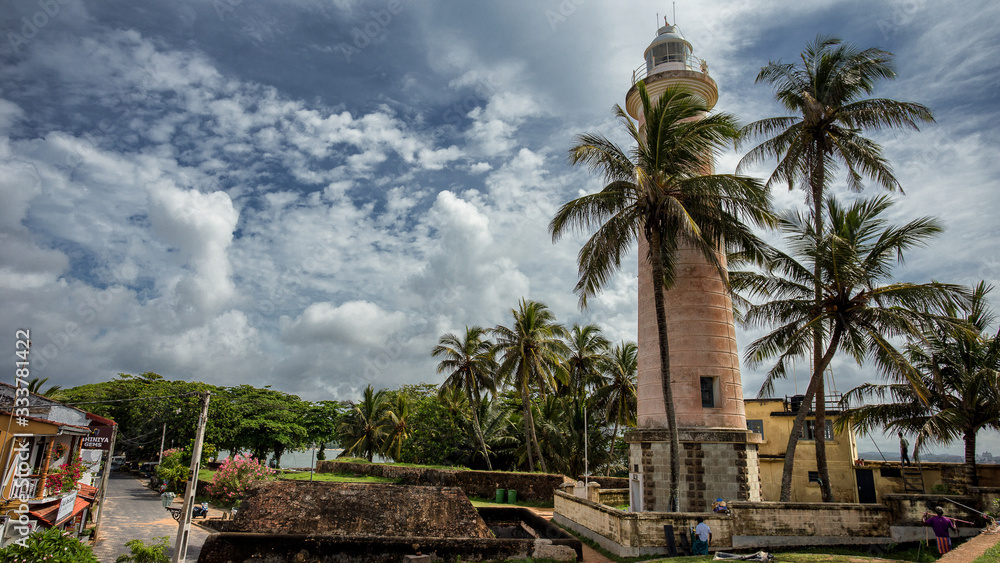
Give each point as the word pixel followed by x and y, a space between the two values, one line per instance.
pixel 675 12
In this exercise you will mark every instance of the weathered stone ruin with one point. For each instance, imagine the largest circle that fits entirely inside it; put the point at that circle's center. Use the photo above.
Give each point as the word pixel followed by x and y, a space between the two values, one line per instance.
pixel 285 521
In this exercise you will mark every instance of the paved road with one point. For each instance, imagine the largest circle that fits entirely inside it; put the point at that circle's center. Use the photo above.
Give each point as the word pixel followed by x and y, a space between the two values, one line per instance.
pixel 134 511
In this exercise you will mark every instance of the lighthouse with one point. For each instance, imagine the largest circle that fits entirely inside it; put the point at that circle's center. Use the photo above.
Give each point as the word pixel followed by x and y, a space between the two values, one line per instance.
pixel 718 454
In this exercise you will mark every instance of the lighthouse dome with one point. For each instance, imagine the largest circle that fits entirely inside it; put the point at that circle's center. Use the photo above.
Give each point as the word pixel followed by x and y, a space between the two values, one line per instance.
pixel 669 51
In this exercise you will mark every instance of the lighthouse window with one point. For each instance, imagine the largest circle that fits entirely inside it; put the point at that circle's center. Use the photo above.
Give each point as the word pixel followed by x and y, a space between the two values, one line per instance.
pixel 667 53
pixel 708 392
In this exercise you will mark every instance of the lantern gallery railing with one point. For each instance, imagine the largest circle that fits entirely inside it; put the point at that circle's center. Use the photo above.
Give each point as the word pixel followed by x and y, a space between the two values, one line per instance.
pixel 689 62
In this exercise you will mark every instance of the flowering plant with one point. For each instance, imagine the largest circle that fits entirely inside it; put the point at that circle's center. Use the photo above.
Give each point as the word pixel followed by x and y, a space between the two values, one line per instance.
pixel 65 477
pixel 235 475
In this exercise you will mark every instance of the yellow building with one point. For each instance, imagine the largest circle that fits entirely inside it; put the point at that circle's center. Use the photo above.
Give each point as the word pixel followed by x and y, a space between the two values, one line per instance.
pixel 773 419
pixel 30 454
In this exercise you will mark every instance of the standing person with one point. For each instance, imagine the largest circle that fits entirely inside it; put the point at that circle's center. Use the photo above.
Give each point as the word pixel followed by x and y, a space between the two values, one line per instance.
pixel 702 537
pixel 904 458
pixel 941 525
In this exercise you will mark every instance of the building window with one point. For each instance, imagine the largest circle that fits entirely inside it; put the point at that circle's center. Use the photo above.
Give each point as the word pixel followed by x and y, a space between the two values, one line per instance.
pixel 814 476
pixel 708 392
pixel 756 426
pixel 809 430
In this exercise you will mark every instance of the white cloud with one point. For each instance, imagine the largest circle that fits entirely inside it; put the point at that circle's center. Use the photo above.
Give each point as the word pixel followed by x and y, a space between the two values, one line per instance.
pixel 201 227
pixel 354 323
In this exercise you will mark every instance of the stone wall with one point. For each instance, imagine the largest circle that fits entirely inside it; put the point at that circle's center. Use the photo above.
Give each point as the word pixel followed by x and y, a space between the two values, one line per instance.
pixel 529 486
pixel 715 463
pixel 633 534
pixel 908 510
pixel 535 537
pixel 788 524
pixel 608 482
pixel 614 497
pixel 752 525
pixel 356 509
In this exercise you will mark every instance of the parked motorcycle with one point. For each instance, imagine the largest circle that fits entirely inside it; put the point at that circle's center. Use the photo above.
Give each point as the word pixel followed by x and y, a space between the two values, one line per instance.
pixel 201 511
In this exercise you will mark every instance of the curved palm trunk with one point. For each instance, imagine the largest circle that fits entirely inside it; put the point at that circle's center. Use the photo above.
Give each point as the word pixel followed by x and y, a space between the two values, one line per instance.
pixel 611 452
pixel 825 488
pixel 818 183
pixel 529 433
pixel 971 479
pixel 800 418
pixel 479 431
pixel 656 263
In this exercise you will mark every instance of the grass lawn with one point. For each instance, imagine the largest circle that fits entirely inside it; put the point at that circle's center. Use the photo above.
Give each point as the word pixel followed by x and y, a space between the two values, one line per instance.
pixel 416 465
pixel 334 477
pixel 207 474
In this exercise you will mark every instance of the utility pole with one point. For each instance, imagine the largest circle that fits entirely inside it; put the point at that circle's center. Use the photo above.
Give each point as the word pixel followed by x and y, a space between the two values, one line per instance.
pixel 104 481
pixel 586 461
pixel 163 440
pixel 184 528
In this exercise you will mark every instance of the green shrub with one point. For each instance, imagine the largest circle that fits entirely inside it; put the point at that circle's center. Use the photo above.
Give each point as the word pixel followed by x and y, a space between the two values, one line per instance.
pixel 142 553
pixel 175 470
pixel 51 546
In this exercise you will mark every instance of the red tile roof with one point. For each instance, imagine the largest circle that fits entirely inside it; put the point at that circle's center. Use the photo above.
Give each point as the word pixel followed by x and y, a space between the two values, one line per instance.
pixel 49 512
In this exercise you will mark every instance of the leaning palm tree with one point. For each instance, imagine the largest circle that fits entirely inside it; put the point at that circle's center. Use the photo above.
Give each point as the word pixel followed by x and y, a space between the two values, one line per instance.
pixel 958 362
pixel 616 397
pixel 530 351
pixel 853 259
pixel 826 95
pixel 365 430
pixel 660 191
pixel 471 363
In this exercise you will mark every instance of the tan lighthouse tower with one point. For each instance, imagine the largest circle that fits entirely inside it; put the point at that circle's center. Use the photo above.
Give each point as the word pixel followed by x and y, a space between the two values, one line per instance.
pixel 718 454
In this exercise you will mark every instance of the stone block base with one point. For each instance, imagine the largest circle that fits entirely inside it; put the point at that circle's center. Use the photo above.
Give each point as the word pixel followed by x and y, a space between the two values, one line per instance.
pixel 714 463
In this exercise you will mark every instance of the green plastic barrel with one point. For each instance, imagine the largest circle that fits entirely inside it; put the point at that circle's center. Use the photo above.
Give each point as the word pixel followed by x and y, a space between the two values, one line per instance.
pixel 500 493
pixel 511 496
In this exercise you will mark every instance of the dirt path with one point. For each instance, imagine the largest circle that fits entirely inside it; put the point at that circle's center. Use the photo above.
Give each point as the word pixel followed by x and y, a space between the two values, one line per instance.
pixel 971 549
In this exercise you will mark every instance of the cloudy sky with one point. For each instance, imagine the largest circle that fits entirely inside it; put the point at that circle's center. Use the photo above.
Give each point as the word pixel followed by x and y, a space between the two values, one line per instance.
pixel 308 193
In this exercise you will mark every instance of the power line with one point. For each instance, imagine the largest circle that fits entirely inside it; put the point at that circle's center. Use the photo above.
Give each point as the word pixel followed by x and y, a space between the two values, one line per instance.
pixel 191 394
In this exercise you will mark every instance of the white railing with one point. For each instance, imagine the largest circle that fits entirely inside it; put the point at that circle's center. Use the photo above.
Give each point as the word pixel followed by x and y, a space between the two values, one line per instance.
pixel 690 62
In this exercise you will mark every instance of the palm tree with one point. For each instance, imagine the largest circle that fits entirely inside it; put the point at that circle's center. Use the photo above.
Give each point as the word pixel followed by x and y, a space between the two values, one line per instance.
pixel 496 430
pixel 54 392
pixel 616 397
pixel 958 363
pixel 586 352
pixel 365 430
pixel 825 93
pixel 397 430
pixel 472 363
pixel 530 351
pixel 660 191
pixel 853 259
